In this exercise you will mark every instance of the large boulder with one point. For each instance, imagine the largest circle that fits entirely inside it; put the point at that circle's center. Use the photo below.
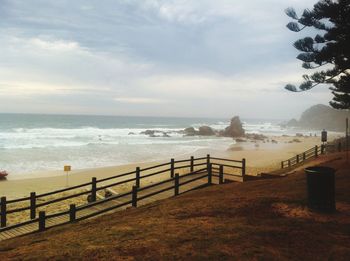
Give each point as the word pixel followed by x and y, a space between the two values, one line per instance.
pixel 206 131
pixel 235 129
pixel 190 131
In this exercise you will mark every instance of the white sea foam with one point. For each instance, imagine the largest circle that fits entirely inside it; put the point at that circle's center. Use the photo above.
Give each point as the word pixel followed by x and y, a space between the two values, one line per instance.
pixel 28 148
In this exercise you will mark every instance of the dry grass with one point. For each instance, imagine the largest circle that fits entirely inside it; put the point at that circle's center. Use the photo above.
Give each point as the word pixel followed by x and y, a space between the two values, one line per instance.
pixel 260 220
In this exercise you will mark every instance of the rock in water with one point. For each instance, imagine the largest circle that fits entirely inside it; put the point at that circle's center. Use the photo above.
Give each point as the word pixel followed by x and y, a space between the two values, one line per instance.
pixel 206 131
pixel 190 131
pixel 235 129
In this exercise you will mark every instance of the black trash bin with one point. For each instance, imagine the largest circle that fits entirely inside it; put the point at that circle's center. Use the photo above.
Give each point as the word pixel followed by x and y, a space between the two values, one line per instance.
pixel 321 188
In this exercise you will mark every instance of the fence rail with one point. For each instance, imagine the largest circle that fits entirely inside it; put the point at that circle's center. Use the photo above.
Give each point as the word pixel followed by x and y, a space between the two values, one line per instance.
pixel 313 152
pixel 207 168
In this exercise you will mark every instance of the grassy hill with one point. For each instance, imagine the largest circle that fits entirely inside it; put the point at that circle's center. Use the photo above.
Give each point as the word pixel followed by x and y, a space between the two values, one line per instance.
pixel 260 220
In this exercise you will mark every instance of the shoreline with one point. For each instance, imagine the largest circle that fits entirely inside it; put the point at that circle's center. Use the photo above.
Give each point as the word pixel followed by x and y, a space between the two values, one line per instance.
pixel 260 157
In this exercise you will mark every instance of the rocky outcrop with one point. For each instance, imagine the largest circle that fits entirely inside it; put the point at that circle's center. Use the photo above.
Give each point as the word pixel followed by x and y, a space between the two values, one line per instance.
pixel 320 117
pixel 234 130
pixel 206 131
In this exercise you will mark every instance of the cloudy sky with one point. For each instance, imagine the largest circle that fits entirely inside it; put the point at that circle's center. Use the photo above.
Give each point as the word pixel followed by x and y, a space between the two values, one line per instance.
pixel 209 58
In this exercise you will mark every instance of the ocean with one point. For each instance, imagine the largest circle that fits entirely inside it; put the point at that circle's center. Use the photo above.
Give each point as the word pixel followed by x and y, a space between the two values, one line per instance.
pixel 33 142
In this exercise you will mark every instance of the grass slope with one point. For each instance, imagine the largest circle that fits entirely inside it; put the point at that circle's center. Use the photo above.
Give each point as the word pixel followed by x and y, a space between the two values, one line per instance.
pixel 260 220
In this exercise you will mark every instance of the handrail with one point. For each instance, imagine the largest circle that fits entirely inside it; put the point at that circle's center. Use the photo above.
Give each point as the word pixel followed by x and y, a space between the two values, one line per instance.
pixel 33 205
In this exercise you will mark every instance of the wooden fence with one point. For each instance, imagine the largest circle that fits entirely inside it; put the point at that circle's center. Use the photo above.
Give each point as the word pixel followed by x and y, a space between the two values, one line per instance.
pixel 314 152
pixel 203 169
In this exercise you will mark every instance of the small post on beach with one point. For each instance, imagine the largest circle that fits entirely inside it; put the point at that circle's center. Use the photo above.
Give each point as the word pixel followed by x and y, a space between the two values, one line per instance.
pixel 192 163
pixel 289 164
pixel 93 189
pixel 221 174
pixel 138 177
pixel 176 184
pixel 210 173
pixel 3 212
pixel 322 149
pixel 67 168
pixel 172 168
pixel 32 205
pixel 282 165
pixel 42 219
pixel 72 212
pixel 316 151
pixel 134 196
pixel 297 158
pixel 243 168
pixel 304 156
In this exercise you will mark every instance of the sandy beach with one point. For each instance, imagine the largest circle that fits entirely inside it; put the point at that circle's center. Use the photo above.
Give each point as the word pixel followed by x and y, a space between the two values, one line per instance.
pixel 260 157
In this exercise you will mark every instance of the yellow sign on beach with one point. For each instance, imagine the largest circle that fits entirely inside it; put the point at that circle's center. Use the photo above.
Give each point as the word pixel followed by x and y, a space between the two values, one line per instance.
pixel 67 168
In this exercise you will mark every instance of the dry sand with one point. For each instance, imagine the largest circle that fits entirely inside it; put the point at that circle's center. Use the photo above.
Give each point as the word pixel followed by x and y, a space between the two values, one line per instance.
pixel 260 157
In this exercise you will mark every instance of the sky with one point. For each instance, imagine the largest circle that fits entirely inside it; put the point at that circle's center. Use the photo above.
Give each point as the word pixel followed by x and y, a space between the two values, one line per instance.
pixel 184 58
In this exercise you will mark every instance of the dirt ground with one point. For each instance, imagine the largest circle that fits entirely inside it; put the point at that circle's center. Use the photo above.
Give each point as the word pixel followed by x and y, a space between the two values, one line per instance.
pixel 257 220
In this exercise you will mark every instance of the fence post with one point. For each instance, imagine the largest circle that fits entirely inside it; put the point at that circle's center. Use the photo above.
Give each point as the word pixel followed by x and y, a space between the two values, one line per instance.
pixel 72 212
pixel 322 149
pixel 208 160
pixel 137 177
pixel 93 189
pixel 32 205
pixel 221 174
pixel 172 168
pixel 304 156
pixel 209 173
pixel 134 196
pixel 176 184
pixel 316 151
pixel 243 168
pixel 3 212
pixel 42 219
pixel 192 163
pixel 282 165
pixel 297 158
pixel 289 164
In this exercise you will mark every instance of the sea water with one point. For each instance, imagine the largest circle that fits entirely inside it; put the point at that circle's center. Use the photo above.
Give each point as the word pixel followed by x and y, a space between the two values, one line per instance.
pixel 33 142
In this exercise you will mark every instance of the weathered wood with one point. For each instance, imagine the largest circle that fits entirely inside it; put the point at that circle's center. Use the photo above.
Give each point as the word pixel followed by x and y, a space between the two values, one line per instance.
pixel 192 162
pixel 297 158
pixel 138 177
pixel 208 160
pixel 176 184
pixel 210 173
pixel 282 164
pixel 93 189
pixel 304 156
pixel 316 151
pixel 243 168
pixel 134 196
pixel 221 174
pixel 42 220
pixel 172 168
pixel 289 164
pixel 3 212
pixel 32 205
pixel 72 212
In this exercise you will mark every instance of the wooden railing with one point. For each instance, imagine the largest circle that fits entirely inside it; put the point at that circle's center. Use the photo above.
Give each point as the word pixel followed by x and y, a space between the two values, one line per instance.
pixel 314 152
pixel 199 168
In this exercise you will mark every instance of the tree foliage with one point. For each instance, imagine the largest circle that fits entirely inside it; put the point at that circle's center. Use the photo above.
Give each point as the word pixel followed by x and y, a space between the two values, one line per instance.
pixel 328 53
